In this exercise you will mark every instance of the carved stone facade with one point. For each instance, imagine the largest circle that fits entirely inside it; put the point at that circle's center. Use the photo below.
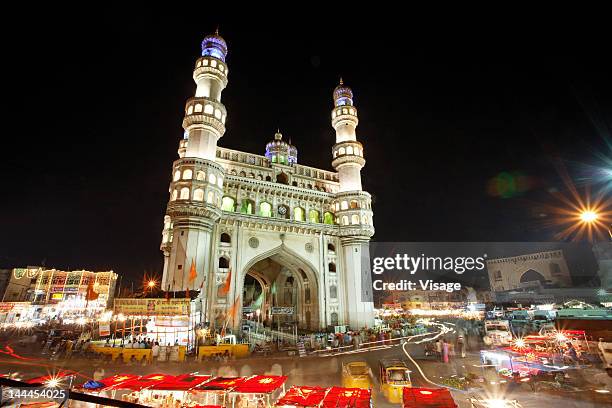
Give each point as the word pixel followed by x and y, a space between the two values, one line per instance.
pixel 294 233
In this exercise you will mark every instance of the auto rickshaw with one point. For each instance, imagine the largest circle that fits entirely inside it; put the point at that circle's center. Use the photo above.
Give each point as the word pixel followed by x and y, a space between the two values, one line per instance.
pixel 357 374
pixel 394 376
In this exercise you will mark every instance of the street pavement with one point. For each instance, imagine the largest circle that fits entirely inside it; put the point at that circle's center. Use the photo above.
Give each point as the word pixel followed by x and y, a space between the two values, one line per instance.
pixel 311 370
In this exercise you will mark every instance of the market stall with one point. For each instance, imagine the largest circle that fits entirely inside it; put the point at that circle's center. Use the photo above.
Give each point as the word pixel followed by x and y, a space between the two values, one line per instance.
pixel 257 391
pixel 172 391
pixel 427 398
pixel 302 396
pixel 338 397
pixel 169 322
pixel 215 391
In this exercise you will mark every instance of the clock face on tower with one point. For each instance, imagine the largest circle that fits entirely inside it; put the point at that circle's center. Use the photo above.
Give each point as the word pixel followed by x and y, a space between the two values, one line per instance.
pixel 282 210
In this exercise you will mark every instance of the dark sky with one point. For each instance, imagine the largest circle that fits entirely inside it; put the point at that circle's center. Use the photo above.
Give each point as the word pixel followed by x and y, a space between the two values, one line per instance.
pixel 95 107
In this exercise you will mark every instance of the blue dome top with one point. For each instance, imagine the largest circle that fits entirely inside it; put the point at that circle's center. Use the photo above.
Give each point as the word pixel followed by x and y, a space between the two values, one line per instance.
pixel 214 45
pixel 343 95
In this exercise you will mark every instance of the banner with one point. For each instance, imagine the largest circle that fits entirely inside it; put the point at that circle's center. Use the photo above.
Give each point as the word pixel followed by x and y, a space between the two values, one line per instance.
pixel 105 329
pixel 153 307
pixel 282 310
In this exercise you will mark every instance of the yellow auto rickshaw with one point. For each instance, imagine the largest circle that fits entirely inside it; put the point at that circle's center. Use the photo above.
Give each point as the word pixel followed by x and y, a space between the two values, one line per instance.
pixel 357 374
pixel 394 376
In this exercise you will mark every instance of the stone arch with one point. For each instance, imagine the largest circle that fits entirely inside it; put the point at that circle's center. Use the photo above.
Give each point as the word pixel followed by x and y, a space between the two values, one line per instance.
pixel 305 276
pixel 532 276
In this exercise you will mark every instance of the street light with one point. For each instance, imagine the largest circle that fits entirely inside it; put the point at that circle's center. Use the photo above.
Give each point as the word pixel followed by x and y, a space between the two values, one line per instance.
pixel 151 285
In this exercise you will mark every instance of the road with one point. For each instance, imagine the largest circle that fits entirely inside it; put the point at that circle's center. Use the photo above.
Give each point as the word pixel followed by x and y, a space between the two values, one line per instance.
pixel 318 370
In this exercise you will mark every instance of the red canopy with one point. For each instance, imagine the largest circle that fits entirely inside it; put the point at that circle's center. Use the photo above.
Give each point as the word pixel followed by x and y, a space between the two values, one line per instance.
pixel 116 380
pixel 261 384
pixel 56 376
pixel 338 397
pixel 139 383
pixel 182 382
pixel 428 398
pixel 220 384
pixel 303 396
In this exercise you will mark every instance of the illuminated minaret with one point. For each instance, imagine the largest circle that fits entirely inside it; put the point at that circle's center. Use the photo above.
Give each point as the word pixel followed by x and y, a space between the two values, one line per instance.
pixel 196 188
pixel 353 209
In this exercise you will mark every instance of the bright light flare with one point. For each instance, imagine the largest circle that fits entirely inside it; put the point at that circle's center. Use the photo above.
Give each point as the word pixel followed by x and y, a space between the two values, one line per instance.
pixel 496 403
pixel 53 382
pixel 152 284
pixel 519 343
pixel 589 216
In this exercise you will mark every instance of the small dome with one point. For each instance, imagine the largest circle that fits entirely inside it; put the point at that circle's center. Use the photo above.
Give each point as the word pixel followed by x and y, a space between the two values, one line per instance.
pixel 215 46
pixel 343 95
pixel 279 151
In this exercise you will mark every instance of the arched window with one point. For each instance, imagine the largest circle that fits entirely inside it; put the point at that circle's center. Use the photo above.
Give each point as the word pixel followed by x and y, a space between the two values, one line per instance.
pixel 177 175
pixel 226 238
pixel 198 107
pixel 223 262
pixel 268 178
pixel 210 197
pixel 344 205
pixel 337 206
pixel 247 207
pixel 294 183
pixel 251 175
pixel 354 204
pixel 265 209
pixel 344 220
pixel 331 247
pixel 349 150
pixel 190 110
pixel 328 218
pixel 220 182
pixel 242 174
pixel 333 292
pixel 212 179
pixel 184 193
pixel 332 267
pixel 227 204
pixel 218 113
pixel 174 195
pixel 282 178
pixel 298 214
pixel 187 174
pixel 341 151
pixel 198 194
pixel 200 176
pixel 334 319
pixel 354 219
pixel 208 109
pixel 314 216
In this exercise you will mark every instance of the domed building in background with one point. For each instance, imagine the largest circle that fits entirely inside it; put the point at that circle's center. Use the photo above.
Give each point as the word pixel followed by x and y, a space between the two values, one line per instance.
pixel 261 236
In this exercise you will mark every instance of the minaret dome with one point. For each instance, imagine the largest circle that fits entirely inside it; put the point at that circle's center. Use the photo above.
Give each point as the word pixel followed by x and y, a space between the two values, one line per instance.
pixel 214 45
pixel 343 95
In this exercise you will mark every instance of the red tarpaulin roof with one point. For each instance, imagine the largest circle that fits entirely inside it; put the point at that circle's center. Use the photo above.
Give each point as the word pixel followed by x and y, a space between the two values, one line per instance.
pixel 261 384
pixel 139 383
pixel 45 378
pixel 339 397
pixel 221 384
pixel 303 396
pixel 182 382
pixel 428 398
pixel 116 380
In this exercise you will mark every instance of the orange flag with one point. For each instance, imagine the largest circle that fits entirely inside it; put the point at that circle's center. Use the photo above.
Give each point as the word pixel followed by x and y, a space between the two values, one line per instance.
pixel 226 287
pixel 192 272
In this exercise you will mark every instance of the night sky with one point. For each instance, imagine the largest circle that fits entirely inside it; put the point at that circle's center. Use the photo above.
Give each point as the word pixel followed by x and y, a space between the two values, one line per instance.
pixel 95 108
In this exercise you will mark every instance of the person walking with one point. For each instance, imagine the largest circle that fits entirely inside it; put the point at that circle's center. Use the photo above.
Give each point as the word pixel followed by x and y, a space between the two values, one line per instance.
pixel 439 349
pixel 445 352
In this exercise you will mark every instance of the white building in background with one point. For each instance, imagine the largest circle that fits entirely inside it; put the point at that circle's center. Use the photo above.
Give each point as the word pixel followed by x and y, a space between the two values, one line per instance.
pixel 542 269
pixel 281 234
